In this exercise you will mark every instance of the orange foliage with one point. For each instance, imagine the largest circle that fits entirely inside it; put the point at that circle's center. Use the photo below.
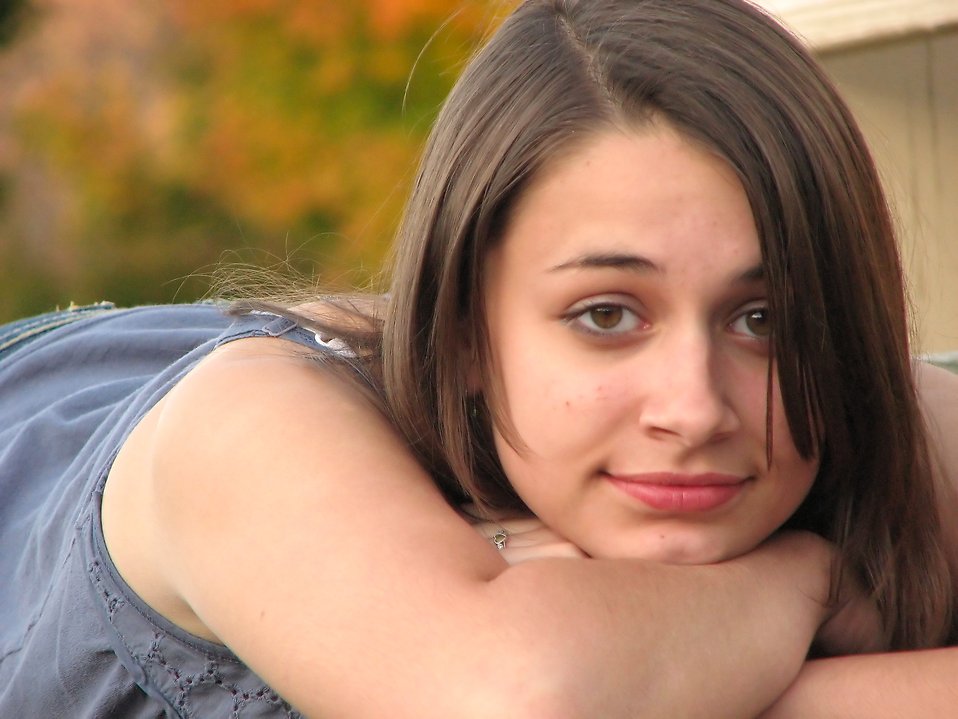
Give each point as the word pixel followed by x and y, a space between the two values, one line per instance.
pixel 187 127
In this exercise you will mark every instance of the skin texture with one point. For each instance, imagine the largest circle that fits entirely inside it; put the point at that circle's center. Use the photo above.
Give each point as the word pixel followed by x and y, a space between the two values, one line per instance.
pixel 377 599
pixel 628 326
pixel 904 684
pixel 382 601
pixel 864 686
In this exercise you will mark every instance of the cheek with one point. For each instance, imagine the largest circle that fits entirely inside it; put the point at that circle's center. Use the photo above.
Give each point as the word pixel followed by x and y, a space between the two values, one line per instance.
pixel 747 390
pixel 752 404
pixel 558 411
pixel 785 455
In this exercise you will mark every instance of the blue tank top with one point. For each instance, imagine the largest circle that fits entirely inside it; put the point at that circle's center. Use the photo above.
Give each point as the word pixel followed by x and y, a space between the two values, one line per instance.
pixel 75 640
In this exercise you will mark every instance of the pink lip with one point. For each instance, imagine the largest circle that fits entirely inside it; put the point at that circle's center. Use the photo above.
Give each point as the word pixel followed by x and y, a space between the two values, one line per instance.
pixel 670 492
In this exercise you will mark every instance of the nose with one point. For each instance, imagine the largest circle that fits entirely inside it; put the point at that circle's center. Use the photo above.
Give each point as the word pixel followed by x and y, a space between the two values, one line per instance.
pixel 688 396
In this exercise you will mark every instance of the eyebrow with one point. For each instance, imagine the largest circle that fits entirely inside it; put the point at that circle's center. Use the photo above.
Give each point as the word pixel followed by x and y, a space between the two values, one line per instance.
pixel 752 274
pixel 637 263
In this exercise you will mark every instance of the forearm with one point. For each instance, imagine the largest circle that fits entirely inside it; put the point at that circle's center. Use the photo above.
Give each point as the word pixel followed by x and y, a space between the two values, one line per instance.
pixel 691 641
pixel 903 684
pixel 873 686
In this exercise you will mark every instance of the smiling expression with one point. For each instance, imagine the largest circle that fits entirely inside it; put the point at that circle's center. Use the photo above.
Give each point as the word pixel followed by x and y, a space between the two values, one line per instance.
pixel 628 327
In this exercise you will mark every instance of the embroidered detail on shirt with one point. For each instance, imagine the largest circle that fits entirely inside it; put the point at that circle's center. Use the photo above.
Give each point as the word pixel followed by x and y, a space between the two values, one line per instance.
pixel 234 688
pixel 111 601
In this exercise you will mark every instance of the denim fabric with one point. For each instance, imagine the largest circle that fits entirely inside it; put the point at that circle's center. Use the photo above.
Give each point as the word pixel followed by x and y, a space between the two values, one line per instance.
pixel 75 640
pixel 21 332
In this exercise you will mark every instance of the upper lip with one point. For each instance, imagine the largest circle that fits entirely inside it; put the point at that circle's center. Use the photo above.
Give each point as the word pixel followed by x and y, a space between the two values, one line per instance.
pixel 677 479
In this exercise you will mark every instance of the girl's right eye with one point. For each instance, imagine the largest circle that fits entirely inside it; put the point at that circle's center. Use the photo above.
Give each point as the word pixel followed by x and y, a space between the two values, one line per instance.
pixel 604 318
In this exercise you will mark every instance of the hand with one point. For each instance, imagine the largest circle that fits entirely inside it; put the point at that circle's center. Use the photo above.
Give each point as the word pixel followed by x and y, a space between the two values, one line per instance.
pixel 854 626
pixel 526 537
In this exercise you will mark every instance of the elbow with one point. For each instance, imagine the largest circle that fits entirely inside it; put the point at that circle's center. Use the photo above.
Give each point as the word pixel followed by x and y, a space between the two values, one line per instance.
pixel 524 697
pixel 545 681
pixel 545 667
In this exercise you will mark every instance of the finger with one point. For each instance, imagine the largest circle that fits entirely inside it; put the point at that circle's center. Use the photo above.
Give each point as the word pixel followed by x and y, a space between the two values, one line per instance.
pixel 513 528
pixel 514 525
pixel 517 555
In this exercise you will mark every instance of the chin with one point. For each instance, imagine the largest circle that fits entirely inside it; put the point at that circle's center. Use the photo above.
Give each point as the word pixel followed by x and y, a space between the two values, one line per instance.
pixel 676 549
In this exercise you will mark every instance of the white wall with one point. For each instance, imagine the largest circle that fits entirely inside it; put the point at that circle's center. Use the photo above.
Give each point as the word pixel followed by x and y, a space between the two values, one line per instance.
pixel 905 95
pixel 896 62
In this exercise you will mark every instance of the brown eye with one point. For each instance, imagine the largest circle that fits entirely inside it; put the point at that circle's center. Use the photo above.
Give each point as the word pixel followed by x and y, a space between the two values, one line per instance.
pixel 757 322
pixel 606 317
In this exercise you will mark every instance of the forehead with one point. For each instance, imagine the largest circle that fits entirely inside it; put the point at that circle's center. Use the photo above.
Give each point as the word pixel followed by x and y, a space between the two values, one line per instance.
pixel 650 191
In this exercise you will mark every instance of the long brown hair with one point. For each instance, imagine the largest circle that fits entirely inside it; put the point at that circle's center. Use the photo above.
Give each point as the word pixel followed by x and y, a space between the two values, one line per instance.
pixel 727 76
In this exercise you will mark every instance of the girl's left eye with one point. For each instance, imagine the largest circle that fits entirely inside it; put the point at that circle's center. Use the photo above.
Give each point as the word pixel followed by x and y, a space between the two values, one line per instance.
pixel 754 323
pixel 604 318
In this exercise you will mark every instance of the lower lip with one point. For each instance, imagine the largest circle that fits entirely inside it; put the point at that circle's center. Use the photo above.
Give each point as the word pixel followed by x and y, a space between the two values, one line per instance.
pixel 680 498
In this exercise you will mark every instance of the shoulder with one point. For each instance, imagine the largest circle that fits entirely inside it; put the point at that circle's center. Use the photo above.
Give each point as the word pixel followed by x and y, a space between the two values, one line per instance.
pixel 938 394
pixel 270 506
pixel 255 432
pixel 937 386
pixel 254 403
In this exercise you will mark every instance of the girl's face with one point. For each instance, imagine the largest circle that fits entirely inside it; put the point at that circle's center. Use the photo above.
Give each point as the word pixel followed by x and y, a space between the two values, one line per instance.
pixel 628 322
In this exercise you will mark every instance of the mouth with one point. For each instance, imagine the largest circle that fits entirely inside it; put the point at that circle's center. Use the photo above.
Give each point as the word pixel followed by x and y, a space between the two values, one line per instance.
pixel 680 493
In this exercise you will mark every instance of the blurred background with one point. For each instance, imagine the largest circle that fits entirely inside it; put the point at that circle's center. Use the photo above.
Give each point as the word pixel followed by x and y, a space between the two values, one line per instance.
pixel 144 144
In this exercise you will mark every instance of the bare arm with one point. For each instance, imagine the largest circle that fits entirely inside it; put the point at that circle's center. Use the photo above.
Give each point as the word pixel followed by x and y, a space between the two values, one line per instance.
pixel 362 594
pixel 873 686
pixel 904 684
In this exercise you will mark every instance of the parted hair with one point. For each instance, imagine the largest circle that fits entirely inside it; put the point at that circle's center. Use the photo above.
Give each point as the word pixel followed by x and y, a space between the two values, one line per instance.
pixel 727 76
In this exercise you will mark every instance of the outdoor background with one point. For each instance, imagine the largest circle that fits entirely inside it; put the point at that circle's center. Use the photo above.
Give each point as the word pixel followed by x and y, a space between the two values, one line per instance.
pixel 143 144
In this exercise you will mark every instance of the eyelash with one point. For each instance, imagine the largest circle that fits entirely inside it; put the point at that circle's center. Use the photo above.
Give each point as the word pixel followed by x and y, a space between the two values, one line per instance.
pixel 751 312
pixel 579 315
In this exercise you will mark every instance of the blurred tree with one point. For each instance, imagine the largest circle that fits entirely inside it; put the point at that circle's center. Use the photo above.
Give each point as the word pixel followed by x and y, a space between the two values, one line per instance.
pixel 141 142
pixel 12 13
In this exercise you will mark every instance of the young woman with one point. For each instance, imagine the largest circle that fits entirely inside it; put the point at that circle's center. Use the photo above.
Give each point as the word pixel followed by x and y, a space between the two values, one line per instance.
pixel 646 332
